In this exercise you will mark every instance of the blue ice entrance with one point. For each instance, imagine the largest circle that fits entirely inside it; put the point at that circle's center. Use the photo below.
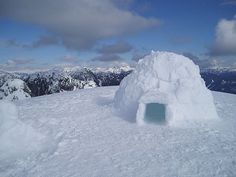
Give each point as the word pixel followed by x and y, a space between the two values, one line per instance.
pixel 155 113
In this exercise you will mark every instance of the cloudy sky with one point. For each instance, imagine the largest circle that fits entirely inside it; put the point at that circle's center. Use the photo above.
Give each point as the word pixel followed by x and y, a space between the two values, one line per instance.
pixel 37 33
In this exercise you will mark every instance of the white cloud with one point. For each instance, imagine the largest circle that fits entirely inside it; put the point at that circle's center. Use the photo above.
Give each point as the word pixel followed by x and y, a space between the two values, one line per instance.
pixel 107 57
pixel 225 42
pixel 119 47
pixel 15 64
pixel 79 23
pixel 41 42
pixel 69 59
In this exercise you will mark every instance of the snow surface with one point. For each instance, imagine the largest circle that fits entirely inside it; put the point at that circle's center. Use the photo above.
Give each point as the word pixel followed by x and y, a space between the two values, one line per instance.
pixel 90 139
pixel 170 79
pixel 17 139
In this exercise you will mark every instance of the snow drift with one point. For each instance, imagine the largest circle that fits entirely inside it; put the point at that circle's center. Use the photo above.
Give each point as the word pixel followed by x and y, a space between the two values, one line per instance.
pixel 170 80
pixel 16 138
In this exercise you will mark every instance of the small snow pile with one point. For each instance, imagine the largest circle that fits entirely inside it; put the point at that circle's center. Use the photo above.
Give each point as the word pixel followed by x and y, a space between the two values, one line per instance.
pixel 16 138
pixel 88 84
pixel 171 80
pixel 14 89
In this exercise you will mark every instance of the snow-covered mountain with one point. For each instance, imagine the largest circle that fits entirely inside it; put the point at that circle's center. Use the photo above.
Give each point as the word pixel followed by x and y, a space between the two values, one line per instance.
pixel 4 76
pixel 68 78
pixel 220 80
pixel 14 89
pixel 53 81
pixel 71 78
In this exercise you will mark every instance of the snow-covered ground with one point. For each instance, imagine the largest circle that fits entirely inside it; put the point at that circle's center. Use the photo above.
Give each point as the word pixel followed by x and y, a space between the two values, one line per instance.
pixel 88 138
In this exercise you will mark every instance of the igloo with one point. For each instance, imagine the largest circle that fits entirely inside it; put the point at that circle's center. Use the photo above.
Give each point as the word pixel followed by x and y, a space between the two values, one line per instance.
pixel 165 88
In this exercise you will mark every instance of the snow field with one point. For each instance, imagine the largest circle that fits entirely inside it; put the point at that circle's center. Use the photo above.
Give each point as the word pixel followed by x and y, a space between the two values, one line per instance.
pixel 90 139
pixel 17 139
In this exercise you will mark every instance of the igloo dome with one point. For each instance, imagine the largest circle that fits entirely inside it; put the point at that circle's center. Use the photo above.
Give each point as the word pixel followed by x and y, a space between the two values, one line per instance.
pixel 165 88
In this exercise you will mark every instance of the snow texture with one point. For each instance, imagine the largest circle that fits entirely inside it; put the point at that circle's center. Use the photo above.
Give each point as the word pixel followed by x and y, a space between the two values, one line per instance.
pixel 169 79
pixel 14 89
pixel 92 141
pixel 16 138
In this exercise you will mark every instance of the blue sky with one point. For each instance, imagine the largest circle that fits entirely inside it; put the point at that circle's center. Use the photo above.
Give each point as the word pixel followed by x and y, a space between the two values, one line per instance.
pixel 41 33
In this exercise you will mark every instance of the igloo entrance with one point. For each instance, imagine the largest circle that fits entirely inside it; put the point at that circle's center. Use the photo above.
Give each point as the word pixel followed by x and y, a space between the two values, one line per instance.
pixel 155 113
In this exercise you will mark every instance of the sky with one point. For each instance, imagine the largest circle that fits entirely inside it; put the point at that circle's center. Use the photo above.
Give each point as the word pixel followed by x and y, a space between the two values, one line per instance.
pixel 37 34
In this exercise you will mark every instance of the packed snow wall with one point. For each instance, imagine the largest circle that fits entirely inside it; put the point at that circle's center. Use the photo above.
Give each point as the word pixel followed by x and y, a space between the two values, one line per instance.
pixel 168 79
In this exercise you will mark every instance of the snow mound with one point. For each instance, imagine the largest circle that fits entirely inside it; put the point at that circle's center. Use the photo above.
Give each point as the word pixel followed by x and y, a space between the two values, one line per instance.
pixel 16 138
pixel 14 89
pixel 171 80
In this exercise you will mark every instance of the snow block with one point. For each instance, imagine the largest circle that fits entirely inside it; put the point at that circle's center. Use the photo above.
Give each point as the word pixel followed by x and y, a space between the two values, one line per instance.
pixel 170 80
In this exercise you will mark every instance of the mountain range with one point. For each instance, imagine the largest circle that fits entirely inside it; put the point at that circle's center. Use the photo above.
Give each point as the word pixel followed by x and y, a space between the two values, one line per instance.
pixel 71 78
